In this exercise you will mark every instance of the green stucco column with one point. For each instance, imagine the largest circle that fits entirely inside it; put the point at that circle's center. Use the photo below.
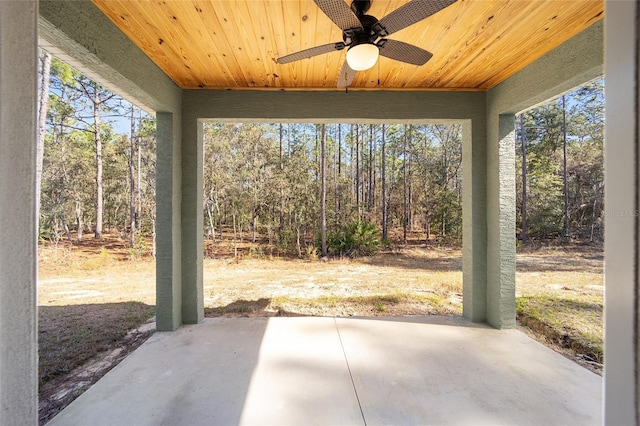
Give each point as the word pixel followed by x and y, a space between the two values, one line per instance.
pixel 168 233
pixel 474 226
pixel 501 219
pixel 192 222
pixel 18 251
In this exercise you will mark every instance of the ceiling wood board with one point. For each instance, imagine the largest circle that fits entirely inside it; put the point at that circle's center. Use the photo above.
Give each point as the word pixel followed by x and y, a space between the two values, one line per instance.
pixel 476 44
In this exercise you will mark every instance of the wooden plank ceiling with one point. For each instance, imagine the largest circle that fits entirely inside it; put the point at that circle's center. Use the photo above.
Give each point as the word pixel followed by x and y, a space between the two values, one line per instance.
pixel 217 44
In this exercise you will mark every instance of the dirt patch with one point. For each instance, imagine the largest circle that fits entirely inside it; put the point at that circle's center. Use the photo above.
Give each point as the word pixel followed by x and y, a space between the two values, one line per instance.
pixel 59 392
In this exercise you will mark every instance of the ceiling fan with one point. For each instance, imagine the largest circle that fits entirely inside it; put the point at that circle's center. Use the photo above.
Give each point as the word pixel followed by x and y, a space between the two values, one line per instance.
pixel 364 35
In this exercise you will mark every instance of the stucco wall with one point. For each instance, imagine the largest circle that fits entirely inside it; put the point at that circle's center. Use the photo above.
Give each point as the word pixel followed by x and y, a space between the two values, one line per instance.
pixel 18 322
pixel 621 214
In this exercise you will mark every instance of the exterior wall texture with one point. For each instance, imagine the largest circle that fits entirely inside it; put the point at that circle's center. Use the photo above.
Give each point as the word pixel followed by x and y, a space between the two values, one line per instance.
pixel 18 252
pixel 622 352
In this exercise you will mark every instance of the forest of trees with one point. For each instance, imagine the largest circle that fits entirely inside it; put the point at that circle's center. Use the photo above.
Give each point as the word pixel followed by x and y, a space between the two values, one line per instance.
pixel 277 183
pixel 266 179
pixel 562 143
pixel 92 178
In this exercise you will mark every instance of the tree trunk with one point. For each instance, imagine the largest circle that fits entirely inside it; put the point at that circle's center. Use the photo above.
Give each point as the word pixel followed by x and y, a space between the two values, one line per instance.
pixel 336 179
pixel 235 240
pixel 281 224
pixel 254 228
pixel 565 229
pixel 593 218
pixel 139 185
pixel 358 173
pixel 132 183
pixel 43 105
pixel 404 186
pixel 351 165
pixel 98 140
pixel 65 226
pixel 323 190
pixel 79 221
pixel 385 231
pixel 212 229
pixel 523 137
pixel 370 167
pixel 338 195
pixel 410 195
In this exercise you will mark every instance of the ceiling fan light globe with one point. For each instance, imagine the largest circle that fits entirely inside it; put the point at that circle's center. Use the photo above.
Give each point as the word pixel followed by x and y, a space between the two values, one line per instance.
pixel 362 56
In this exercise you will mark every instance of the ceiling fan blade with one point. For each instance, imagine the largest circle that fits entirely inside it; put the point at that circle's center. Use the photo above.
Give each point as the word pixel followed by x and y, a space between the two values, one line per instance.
pixel 339 13
pixel 309 53
pixel 346 76
pixel 409 14
pixel 404 52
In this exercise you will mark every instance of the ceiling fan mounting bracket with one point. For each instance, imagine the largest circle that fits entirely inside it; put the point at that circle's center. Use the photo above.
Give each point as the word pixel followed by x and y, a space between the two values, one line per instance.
pixel 360 7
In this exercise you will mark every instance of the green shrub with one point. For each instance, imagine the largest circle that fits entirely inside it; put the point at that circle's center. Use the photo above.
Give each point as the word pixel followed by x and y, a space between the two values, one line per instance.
pixel 354 239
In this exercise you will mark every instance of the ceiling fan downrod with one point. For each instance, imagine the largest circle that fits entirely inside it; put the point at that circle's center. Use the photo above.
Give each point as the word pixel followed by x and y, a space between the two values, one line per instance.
pixel 360 7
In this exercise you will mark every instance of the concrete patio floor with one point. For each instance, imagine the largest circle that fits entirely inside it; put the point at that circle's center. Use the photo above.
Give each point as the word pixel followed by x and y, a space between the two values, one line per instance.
pixel 329 371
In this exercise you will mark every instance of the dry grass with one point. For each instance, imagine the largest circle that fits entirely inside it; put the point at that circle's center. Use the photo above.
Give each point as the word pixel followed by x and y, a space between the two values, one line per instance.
pixel 69 336
pixel 93 293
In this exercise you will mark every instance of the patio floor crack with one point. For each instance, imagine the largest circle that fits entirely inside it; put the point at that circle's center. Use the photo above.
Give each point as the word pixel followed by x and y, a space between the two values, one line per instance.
pixel 346 360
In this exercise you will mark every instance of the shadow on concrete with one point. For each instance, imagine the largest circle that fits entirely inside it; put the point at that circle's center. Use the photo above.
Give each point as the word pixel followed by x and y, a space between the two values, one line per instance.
pixel 248 308
pixel 196 375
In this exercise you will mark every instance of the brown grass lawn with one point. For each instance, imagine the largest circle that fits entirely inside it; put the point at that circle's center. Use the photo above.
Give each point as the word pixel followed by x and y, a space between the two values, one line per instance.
pixel 91 295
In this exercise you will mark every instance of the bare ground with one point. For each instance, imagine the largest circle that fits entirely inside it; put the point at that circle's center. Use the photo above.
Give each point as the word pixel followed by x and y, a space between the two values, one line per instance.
pixel 408 281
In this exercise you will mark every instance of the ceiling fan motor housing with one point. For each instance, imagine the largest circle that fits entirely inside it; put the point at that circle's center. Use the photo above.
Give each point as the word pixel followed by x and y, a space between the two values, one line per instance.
pixel 366 34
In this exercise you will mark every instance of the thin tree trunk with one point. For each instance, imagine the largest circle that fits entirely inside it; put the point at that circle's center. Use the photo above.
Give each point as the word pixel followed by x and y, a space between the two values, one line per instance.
pixel 370 166
pixel 523 137
pixel 375 174
pixel 358 172
pixel 79 221
pixel 254 227
pixel 212 229
pixel 139 183
pixel 235 240
pixel 565 229
pixel 281 222
pixel 323 190
pixel 351 165
pixel 132 183
pixel 43 105
pixel 593 218
pixel 297 220
pixel 98 140
pixel 410 196
pixel 335 181
pixel 385 231
pixel 338 195
pixel 65 226
pixel 404 186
